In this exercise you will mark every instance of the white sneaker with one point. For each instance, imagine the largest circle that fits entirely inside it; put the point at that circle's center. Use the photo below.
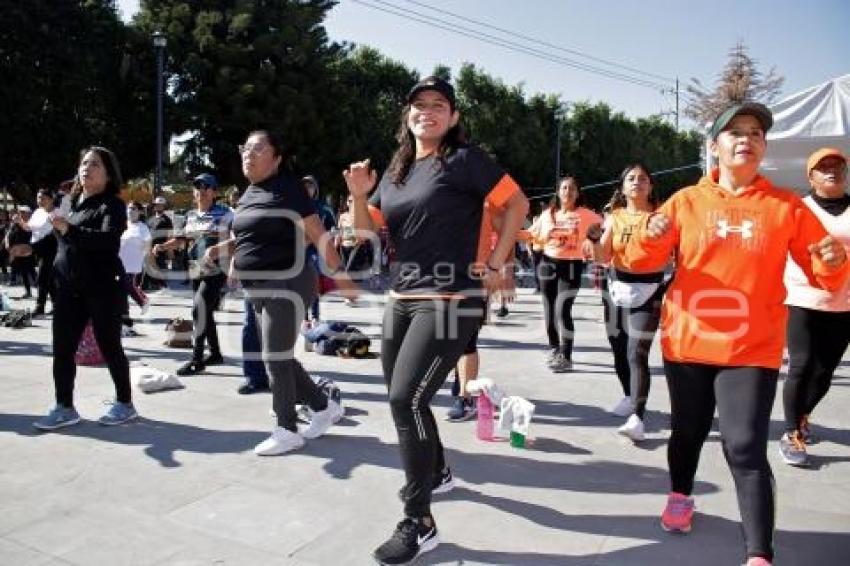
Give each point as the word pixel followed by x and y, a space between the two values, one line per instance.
pixel 280 442
pixel 633 429
pixel 624 408
pixel 321 421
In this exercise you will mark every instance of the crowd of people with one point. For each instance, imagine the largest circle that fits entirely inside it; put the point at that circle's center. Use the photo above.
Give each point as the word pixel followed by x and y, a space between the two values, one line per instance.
pixel 448 218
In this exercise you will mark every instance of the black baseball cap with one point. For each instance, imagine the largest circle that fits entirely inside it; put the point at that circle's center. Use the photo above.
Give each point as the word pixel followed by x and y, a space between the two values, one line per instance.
pixel 437 84
pixel 755 109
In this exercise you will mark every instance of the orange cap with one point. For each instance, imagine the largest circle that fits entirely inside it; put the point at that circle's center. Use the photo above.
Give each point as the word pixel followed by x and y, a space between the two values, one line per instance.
pixel 821 154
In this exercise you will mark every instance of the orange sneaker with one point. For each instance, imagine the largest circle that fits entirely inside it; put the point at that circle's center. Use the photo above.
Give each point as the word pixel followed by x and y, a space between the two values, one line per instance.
pixel 678 513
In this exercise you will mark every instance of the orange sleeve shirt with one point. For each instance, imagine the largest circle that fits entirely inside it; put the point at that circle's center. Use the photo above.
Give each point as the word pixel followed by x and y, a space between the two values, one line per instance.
pixel 566 232
pixel 624 226
pixel 725 303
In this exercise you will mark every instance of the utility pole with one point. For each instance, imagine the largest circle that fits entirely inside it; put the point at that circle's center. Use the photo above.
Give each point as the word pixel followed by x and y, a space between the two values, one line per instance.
pixel 557 148
pixel 159 43
pixel 677 104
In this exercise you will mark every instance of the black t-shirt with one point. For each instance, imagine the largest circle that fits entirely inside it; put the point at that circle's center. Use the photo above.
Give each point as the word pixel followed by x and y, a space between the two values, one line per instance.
pixel 434 220
pixel 265 225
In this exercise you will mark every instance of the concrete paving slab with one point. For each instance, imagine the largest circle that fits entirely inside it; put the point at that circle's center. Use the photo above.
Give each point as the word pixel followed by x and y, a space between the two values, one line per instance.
pixel 182 487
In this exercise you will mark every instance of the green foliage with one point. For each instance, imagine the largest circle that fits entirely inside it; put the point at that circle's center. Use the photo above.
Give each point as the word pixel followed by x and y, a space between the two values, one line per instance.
pixel 70 76
pixel 74 74
pixel 235 66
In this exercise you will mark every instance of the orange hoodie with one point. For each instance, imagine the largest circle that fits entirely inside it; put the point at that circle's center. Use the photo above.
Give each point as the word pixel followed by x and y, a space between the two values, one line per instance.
pixel 725 304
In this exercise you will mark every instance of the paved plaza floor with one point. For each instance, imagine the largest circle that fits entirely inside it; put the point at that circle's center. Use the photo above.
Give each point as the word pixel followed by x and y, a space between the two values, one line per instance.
pixel 181 486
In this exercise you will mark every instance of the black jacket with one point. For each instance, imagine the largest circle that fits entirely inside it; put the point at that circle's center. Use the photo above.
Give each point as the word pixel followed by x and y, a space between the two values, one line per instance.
pixel 87 258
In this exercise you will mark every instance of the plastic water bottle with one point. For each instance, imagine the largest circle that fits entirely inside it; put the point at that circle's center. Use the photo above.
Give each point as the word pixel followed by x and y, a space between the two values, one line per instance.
pixel 484 426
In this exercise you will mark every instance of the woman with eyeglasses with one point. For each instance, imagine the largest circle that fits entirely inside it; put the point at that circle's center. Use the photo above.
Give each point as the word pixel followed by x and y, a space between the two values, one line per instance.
pixel 89 286
pixel 275 220
pixel 206 225
pixel 432 200
pixel 135 244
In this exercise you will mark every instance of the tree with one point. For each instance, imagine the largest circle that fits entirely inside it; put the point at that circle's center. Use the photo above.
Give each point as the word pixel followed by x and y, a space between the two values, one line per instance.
pixel 235 66
pixel 69 77
pixel 739 81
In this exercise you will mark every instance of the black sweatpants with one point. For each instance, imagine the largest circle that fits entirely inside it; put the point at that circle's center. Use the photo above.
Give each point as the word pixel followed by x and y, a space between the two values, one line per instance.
pixel 204 304
pixel 817 341
pixel 630 334
pixel 743 397
pixel 46 251
pixel 422 341
pixel 71 313
pixel 561 280
pixel 279 309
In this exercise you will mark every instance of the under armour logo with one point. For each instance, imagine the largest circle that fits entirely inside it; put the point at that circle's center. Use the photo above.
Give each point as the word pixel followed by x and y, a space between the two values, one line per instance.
pixel 745 229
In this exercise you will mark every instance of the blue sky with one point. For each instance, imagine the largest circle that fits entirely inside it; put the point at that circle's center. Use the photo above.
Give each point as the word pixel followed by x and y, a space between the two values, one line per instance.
pixel 808 42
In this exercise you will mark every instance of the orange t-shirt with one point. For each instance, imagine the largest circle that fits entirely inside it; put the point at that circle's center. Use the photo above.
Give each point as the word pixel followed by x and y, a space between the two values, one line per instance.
pixel 624 225
pixel 565 233
pixel 725 304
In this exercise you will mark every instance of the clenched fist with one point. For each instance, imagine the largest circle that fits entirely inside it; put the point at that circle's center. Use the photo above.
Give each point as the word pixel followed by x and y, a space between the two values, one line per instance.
pixel 360 178
pixel 658 226
pixel 830 251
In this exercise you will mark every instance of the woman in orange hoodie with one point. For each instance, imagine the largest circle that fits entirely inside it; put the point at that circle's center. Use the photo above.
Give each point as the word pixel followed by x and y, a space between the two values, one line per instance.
pixel 723 314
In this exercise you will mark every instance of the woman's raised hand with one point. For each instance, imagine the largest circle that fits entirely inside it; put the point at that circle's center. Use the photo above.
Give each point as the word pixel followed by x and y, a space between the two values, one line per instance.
pixel 360 178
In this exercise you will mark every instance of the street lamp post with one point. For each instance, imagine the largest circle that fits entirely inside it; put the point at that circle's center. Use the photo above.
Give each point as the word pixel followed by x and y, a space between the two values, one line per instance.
pixel 159 43
pixel 559 117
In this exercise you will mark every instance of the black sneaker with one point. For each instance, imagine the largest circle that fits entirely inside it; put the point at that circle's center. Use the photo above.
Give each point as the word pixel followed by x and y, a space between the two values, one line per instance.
pixel 249 388
pixel 192 367
pixel 411 538
pixel 213 360
pixel 502 312
pixel 462 410
pixel 443 484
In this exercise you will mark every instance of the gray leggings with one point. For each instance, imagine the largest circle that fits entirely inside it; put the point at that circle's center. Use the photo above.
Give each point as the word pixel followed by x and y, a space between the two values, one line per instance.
pixel 279 309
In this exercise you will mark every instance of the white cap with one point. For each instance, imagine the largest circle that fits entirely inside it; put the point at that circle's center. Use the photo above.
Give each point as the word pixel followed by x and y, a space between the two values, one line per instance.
pixel 160 200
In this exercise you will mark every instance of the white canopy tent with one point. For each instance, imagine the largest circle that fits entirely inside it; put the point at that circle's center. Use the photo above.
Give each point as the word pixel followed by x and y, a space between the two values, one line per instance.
pixel 802 123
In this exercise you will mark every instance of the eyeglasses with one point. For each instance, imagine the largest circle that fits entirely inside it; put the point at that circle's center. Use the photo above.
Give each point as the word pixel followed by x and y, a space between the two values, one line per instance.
pixel 254 149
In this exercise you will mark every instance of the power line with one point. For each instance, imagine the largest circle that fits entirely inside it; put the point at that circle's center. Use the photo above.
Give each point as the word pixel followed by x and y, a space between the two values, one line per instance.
pixel 539 42
pixel 507 44
pixel 615 181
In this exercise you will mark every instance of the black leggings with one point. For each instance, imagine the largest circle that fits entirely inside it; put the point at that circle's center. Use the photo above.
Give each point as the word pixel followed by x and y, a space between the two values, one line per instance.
pixel 422 341
pixel 46 250
pixel 205 303
pixel 817 341
pixel 71 313
pixel 743 397
pixel 536 258
pixel 25 267
pixel 561 280
pixel 630 333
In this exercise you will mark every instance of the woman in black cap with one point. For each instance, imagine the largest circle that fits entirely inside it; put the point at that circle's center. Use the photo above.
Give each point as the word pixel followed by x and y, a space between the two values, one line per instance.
pixel 206 225
pixel 89 286
pixel 432 199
